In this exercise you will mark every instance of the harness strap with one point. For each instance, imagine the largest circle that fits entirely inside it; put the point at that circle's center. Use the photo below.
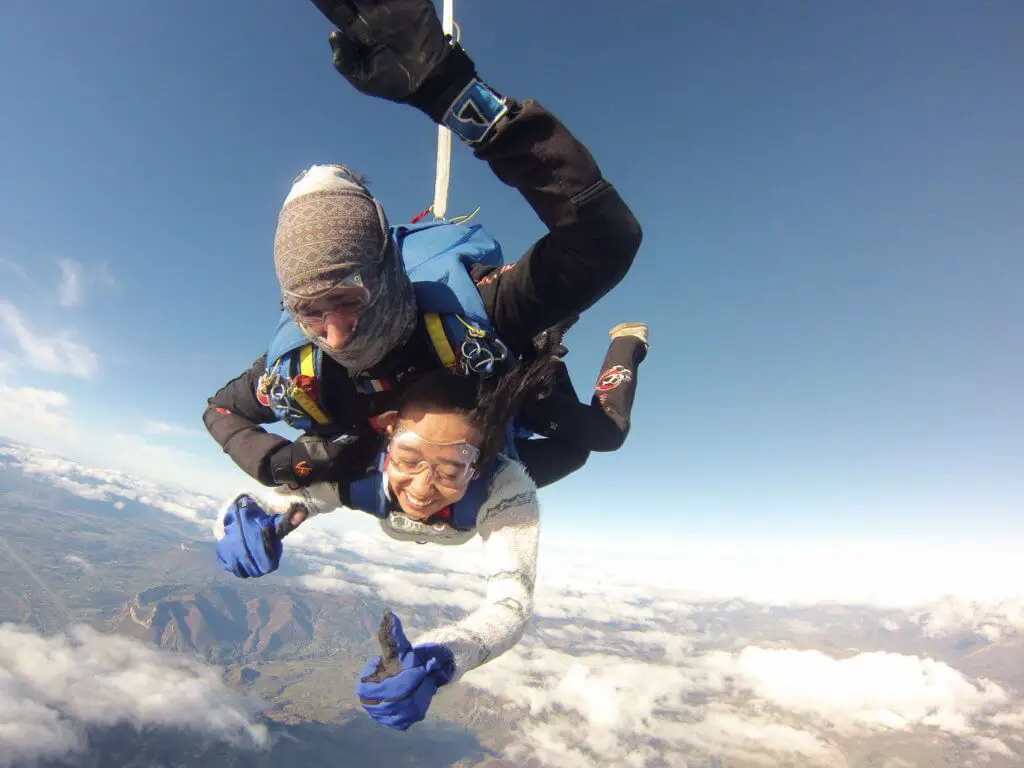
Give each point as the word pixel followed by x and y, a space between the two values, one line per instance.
pixel 307 364
pixel 439 338
pixel 307 373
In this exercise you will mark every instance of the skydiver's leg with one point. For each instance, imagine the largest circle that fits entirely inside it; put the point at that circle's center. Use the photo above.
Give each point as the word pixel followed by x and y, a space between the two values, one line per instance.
pixel 571 429
pixel 615 390
pixel 549 460
pixel 603 424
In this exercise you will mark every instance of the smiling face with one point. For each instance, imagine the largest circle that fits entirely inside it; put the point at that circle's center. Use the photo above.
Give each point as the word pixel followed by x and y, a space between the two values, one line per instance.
pixel 432 458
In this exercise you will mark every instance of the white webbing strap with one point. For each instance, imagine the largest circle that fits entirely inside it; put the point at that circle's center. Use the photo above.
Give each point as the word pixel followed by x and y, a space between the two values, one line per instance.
pixel 444 136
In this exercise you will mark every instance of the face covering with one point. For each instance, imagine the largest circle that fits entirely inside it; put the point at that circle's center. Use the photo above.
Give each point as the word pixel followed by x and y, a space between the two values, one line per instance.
pixel 332 233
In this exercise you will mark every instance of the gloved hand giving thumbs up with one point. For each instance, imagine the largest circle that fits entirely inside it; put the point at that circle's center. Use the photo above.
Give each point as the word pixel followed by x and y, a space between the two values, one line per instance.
pixel 249 538
pixel 397 687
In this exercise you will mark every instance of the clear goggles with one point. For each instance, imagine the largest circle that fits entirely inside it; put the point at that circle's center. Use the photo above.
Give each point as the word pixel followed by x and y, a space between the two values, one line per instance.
pixel 451 465
pixel 349 298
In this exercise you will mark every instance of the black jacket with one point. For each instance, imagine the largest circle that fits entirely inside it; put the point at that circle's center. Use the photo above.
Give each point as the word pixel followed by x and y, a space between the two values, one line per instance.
pixel 592 240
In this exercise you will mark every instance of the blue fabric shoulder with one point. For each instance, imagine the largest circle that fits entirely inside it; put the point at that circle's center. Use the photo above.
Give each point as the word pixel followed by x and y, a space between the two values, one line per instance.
pixel 287 337
pixel 437 258
pixel 367 495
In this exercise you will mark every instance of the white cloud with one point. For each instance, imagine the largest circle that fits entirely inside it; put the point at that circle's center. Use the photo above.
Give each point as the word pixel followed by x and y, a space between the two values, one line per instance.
pixel 754 738
pixel 52 686
pixel 626 665
pixel 675 646
pixel 889 625
pixel 874 690
pixel 331 579
pixel 392 571
pixel 395 586
pixel 86 491
pixel 111 485
pixel 761 705
pixel 991 619
pixel 172 465
pixel 15 268
pixel 81 562
pixel 359 533
pixel 164 428
pixel 43 418
pixel 632 712
pixel 69 291
pixel 1014 720
pixel 52 354
pixel 27 412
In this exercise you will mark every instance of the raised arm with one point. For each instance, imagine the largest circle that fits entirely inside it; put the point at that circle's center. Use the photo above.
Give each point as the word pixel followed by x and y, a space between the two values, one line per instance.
pixel 395 50
pixel 508 524
pixel 593 236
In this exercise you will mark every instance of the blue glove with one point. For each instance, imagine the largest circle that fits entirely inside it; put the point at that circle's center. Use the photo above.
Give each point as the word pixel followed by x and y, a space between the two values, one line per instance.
pixel 396 688
pixel 251 546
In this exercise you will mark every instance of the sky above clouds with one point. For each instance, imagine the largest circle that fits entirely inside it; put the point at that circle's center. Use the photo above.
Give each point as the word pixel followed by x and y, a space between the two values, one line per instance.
pixel 831 199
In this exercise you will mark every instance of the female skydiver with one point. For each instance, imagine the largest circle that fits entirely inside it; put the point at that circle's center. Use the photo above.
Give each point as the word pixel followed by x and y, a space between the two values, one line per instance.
pixel 442 480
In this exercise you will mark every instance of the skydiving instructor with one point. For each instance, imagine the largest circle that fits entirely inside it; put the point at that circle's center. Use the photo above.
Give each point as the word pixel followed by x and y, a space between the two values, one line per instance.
pixel 330 225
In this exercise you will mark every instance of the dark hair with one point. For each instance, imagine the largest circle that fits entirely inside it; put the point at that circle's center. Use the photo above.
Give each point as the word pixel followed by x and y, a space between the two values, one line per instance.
pixel 488 404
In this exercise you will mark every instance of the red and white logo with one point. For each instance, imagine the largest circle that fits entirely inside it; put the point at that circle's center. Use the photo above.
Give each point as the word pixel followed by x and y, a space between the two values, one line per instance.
pixel 262 390
pixel 613 377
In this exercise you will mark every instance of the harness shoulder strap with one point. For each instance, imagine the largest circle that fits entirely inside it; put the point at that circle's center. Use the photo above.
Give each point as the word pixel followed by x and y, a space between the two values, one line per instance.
pixel 438 333
pixel 367 493
pixel 290 383
pixel 307 380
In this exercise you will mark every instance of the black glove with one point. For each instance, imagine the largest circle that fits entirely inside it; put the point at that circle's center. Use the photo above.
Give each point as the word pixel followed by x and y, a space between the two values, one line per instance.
pixel 308 460
pixel 396 50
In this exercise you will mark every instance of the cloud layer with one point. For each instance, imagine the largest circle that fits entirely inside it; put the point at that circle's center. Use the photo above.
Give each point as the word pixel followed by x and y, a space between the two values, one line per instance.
pixel 53 686
pixel 626 666
pixel 109 485
pixel 31 409
pixel 733 652
pixel 588 699
pixel 43 417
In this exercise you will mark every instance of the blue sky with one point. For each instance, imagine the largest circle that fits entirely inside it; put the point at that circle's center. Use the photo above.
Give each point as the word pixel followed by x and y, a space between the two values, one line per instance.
pixel 833 204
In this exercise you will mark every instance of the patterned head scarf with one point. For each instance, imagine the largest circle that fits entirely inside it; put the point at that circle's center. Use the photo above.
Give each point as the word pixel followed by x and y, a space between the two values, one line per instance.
pixel 330 230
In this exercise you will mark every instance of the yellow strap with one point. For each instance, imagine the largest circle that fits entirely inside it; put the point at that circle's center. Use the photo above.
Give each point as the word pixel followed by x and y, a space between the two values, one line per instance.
pixel 306 360
pixel 307 404
pixel 435 328
pixel 307 368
